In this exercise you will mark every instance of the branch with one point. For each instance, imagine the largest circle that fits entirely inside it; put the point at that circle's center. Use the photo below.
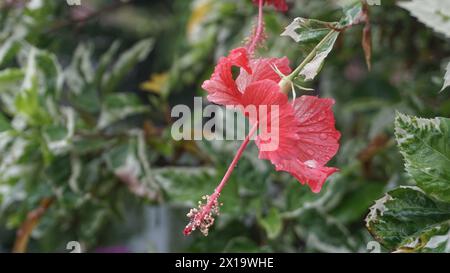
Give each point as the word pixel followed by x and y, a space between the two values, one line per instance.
pixel 33 218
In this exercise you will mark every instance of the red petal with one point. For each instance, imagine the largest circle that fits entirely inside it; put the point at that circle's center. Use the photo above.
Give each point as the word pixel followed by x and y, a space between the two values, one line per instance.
pixel 267 93
pixel 263 69
pixel 307 142
pixel 278 4
pixel 318 135
pixel 264 92
pixel 307 172
pixel 222 88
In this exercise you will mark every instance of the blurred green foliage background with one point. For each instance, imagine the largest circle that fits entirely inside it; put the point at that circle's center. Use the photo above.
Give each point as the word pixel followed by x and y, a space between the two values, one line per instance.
pixel 85 148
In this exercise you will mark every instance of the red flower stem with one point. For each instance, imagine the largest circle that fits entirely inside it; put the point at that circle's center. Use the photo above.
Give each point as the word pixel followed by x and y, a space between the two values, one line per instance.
pixel 259 28
pixel 236 159
pixel 227 175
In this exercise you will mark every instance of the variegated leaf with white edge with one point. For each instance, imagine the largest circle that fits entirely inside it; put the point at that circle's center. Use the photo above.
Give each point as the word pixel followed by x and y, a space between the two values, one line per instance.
pixel 446 78
pixel 425 146
pixel 433 13
pixel 407 220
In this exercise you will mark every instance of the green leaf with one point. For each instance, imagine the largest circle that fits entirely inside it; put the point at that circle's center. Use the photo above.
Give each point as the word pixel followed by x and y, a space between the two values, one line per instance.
pixel 10 76
pixel 41 84
pixel 406 219
pixel 313 67
pixel 28 101
pixel 433 13
pixel 8 50
pixel 87 100
pixel 303 30
pixel 4 123
pixel 125 63
pixel 80 72
pixel 352 14
pixel 84 146
pixel 56 133
pixel 272 223
pixel 59 136
pixel 324 233
pixel 28 104
pixel 425 146
pixel 117 107
pixel 185 186
pixel 31 78
pixel 51 70
pixel 105 61
pixel 129 162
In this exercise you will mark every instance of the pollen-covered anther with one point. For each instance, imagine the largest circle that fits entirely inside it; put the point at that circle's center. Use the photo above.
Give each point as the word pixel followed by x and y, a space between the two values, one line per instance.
pixel 202 218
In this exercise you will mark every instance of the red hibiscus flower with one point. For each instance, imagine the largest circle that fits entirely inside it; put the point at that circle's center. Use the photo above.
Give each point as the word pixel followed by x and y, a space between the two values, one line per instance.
pixel 306 138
